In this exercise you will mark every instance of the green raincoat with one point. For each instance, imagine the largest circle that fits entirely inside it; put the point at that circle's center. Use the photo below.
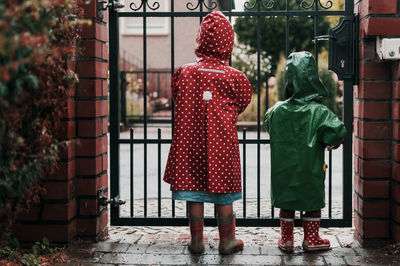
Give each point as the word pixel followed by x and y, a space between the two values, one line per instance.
pixel 300 129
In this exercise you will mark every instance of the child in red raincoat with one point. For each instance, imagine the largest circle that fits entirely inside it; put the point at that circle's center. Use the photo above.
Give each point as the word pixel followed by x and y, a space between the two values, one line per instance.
pixel 204 161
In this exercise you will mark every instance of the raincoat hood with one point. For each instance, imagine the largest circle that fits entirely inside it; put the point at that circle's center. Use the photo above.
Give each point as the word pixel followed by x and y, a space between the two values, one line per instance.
pixel 215 38
pixel 303 83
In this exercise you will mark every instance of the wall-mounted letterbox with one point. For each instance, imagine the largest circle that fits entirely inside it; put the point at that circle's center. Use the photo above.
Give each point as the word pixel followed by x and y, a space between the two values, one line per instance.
pixel 388 48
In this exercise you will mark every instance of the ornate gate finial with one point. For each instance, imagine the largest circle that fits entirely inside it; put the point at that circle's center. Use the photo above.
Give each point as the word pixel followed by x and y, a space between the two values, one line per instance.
pixel 270 4
pixel 213 5
pixel 304 4
pixel 155 5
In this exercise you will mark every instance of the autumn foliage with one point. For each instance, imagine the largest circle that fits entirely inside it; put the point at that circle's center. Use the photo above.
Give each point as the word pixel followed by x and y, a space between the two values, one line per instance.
pixel 37 40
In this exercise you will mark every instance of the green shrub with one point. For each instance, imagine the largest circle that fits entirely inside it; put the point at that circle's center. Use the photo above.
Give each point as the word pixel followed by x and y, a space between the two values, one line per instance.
pixel 37 38
pixel 41 253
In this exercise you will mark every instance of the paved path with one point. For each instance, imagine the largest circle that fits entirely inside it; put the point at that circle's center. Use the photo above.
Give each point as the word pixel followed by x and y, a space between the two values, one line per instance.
pixel 167 246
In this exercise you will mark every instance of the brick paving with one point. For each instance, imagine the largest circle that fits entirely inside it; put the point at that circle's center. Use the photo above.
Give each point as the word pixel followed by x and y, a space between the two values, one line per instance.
pixel 167 246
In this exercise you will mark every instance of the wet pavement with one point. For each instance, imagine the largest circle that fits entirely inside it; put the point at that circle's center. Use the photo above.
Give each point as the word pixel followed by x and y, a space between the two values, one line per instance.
pixel 130 245
pixel 168 246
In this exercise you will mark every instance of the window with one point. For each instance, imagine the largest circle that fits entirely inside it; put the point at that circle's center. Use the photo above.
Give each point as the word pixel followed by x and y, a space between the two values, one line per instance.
pixel 155 25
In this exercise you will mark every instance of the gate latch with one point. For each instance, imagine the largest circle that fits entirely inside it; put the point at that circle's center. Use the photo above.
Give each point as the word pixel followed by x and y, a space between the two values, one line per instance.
pixel 341 49
pixel 104 201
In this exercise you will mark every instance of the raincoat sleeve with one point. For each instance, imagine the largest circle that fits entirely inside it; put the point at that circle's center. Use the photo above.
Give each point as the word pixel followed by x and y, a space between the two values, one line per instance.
pixel 268 116
pixel 331 130
pixel 243 92
pixel 175 82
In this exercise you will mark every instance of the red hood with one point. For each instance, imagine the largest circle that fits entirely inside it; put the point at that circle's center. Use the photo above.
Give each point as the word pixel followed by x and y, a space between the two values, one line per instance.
pixel 215 38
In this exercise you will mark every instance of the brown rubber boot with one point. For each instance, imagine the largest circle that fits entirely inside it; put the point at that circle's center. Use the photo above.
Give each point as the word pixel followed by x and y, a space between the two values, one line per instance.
pixel 228 243
pixel 196 224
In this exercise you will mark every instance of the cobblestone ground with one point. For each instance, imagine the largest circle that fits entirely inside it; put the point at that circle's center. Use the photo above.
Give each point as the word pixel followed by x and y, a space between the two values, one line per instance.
pixel 168 246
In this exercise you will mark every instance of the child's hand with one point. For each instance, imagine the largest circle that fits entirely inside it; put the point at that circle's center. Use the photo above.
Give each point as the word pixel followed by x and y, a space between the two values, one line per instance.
pixel 335 147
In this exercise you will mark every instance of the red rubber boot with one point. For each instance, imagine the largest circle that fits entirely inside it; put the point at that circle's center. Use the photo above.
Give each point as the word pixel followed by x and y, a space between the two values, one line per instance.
pixel 228 243
pixel 312 241
pixel 286 242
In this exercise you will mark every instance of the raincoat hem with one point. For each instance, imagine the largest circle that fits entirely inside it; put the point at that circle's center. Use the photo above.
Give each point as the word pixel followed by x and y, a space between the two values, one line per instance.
pixel 203 196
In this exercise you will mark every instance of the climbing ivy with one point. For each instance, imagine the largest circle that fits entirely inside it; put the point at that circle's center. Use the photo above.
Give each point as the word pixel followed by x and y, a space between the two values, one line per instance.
pixel 37 40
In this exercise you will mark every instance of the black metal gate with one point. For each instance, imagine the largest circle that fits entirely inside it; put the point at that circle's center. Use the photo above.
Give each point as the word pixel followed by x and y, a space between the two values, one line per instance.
pixel 341 53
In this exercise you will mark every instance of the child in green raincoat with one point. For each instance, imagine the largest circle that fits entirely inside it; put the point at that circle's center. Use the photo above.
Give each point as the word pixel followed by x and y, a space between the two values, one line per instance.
pixel 300 129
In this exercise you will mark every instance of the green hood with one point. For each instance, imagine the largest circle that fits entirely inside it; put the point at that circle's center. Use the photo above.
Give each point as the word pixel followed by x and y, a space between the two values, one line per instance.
pixel 303 83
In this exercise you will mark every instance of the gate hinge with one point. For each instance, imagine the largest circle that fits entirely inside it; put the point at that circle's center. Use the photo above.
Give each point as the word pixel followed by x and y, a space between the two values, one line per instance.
pixel 104 201
pixel 103 5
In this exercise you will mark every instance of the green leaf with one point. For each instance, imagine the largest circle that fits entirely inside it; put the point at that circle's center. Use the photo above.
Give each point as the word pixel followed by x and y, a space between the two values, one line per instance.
pixel 46 241
pixel 36 250
pixel 14 242
pixel 3 90
pixel 31 81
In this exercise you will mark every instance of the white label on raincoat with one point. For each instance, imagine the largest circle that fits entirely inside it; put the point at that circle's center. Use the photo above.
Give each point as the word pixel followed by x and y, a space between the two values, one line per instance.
pixel 207 95
pixel 212 70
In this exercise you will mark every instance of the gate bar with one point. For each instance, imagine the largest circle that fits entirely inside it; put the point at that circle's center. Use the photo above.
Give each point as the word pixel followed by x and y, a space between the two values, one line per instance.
pixel 244 173
pixel 348 140
pixel 258 113
pixel 172 72
pixel 347 151
pixel 159 172
pixel 131 172
pixel 114 109
pixel 145 110
pixel 287 30
pixel 330 185
pixel 281 13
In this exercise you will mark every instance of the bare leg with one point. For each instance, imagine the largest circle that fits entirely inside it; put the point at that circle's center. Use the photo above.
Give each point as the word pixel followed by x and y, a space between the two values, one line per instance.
pixel 224 210
pixel 314 214
pixel 196 209
pixel 286 213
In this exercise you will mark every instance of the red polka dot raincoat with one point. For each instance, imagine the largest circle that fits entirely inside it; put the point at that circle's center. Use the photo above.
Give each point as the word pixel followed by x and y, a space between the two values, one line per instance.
pixel 208 96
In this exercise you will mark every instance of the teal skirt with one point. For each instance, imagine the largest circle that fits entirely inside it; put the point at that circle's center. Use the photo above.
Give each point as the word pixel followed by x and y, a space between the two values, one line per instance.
pixel 203 196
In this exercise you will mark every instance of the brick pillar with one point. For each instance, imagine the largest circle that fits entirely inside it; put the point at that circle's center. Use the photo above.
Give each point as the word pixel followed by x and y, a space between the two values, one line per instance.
pixel 375 118
pixel 69 208
pixel 92 126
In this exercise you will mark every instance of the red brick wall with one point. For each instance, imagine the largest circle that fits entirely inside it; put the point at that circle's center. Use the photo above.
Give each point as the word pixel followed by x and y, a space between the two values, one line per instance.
pixel 92 126
pixel 376 129
pixel 69 208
